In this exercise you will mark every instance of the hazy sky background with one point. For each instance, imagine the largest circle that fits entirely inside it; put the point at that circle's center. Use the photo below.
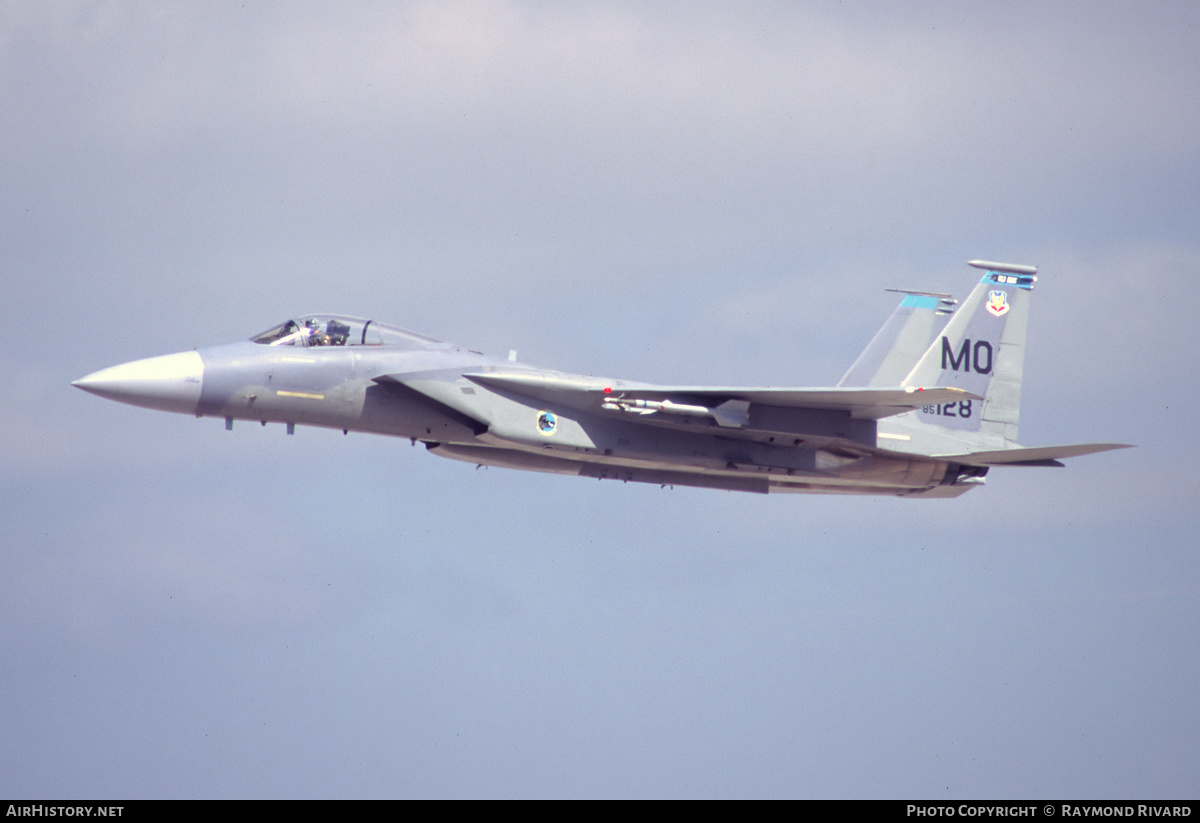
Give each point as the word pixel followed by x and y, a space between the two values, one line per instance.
pixel 688 193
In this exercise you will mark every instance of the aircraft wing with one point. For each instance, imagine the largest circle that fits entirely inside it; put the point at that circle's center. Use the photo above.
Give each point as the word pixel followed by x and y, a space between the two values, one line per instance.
pixel 859 403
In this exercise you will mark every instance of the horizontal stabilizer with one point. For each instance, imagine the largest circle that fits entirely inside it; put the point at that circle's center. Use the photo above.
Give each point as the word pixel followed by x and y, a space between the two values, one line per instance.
pixel 1039 456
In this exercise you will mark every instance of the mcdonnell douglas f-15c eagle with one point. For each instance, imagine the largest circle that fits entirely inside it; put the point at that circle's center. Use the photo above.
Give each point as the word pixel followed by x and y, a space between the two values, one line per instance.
pixel 926 410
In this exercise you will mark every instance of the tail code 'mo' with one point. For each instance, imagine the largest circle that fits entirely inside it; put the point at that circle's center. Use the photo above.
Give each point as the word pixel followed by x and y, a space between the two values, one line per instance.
pixel 977 358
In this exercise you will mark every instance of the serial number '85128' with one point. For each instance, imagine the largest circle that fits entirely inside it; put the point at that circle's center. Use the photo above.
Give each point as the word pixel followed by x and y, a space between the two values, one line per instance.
pixel 959 409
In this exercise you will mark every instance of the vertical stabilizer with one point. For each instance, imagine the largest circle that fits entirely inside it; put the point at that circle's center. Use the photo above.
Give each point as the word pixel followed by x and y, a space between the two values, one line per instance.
pixel 981 350
pixel 890 355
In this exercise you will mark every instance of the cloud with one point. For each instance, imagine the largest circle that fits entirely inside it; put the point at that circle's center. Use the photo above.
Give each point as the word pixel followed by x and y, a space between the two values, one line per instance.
pixel 613 80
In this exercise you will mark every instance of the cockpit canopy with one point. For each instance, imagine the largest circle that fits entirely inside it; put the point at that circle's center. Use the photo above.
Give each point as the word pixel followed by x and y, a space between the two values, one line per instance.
pixel 336 330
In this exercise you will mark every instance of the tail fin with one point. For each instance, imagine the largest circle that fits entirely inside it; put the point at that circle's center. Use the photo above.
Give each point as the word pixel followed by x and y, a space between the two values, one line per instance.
pixel 890 355
pixel 981 350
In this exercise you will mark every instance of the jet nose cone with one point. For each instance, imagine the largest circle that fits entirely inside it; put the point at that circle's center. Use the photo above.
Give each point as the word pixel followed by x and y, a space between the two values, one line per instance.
pixel 168 383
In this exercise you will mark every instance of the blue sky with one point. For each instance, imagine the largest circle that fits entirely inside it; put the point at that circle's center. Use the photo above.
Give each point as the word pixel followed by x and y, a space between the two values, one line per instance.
pixel 688 194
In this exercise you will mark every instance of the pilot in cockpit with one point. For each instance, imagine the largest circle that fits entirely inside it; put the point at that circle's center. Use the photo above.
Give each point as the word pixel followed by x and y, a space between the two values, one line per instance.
pixel 316 337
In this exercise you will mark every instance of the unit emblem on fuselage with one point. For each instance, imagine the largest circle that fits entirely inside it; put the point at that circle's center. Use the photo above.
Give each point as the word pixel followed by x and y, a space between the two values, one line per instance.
pixel 547 422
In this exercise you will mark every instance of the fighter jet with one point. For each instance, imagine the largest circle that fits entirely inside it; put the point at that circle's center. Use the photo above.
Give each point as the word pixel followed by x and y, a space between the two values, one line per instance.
pixel 925 411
